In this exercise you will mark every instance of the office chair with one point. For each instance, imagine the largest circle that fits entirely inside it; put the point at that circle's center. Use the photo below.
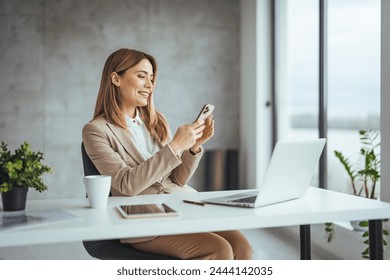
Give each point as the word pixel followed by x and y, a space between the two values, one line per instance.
pixel 112 249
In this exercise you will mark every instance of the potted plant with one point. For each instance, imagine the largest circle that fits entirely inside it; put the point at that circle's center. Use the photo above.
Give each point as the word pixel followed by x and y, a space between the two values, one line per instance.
pixel 363 178
pixel 19 171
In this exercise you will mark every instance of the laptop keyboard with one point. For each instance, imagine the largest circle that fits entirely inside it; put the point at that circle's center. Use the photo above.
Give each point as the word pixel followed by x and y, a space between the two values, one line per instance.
pixel 249 199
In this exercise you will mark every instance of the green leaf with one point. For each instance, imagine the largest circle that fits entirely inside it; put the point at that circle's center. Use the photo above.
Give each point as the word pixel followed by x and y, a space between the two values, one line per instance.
pixel 363 224
pixel 345 162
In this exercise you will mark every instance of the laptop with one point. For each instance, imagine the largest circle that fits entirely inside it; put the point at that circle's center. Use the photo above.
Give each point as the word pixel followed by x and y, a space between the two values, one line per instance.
pixel 288 175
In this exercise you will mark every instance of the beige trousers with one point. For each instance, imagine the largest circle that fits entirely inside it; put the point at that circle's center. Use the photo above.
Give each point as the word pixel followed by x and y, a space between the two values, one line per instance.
pixel 226 245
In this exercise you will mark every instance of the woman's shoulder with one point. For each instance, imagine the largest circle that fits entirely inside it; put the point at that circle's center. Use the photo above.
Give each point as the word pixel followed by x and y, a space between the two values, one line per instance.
pixel 99 120
pixel 96 123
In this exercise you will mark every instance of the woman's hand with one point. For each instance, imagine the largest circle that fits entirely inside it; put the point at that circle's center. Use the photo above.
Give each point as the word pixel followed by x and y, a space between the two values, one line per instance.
pixel 187 136
pixel 208 132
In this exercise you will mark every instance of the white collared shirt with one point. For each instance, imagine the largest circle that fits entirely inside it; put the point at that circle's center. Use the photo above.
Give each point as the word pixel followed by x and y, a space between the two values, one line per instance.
pixel 140 136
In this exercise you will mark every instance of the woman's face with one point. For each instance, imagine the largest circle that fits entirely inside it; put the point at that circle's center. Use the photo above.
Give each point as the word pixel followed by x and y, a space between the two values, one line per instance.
pixel 135 86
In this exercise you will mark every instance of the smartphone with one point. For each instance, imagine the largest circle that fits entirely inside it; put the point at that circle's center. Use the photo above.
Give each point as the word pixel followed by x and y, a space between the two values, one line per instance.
pixel 206 111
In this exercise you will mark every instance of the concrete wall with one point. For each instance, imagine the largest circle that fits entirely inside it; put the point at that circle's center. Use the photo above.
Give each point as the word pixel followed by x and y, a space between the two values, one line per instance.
pixel 52 53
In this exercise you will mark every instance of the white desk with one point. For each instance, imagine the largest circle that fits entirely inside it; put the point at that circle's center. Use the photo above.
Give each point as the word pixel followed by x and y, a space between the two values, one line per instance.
pixel 318 206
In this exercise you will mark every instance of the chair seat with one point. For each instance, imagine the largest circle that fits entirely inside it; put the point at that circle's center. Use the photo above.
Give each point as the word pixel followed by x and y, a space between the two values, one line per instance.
pixel 114 250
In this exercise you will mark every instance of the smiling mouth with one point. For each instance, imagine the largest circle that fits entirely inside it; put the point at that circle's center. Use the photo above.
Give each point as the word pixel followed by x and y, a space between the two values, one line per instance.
pixel 144 93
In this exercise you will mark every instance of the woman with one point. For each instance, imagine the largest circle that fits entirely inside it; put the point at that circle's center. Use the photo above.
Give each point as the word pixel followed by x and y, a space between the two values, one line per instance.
pixel 129 140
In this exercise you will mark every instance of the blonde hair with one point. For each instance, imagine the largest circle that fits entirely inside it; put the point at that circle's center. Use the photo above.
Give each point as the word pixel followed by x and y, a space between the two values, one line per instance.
pixel 108 104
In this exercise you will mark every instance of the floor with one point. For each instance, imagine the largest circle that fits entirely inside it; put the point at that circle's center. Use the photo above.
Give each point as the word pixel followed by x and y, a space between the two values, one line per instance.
pixel 268 244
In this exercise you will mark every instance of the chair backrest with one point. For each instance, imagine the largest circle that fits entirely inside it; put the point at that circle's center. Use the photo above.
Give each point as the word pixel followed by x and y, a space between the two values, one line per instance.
pixel 89 167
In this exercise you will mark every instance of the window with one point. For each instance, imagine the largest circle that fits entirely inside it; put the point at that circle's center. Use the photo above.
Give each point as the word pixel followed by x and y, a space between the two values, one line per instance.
pixel 353 80
pixel 298 70
pixel 353 76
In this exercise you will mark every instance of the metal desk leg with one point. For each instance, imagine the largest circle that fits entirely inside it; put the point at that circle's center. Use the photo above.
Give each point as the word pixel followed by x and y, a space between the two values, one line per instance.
pixel 304 232
pixel 375 239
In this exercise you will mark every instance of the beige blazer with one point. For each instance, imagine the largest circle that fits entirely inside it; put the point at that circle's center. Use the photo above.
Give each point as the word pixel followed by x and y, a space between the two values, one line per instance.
pixel 113 153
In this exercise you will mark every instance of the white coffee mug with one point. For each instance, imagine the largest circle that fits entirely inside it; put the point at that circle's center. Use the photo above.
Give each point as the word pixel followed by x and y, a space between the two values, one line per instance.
pixel 98 188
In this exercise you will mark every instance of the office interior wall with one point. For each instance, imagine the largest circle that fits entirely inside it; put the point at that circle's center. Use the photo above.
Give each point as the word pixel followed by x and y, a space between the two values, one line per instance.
pixel 248 89
pixel 255 88
pixel 385 100
pixel 52 53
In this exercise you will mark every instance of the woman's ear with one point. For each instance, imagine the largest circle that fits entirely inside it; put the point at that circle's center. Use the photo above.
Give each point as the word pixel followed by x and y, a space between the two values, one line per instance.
pixel 115 79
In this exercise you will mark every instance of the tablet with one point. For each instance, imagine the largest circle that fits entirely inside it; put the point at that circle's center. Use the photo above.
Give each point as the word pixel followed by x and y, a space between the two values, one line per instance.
pixel 157 210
